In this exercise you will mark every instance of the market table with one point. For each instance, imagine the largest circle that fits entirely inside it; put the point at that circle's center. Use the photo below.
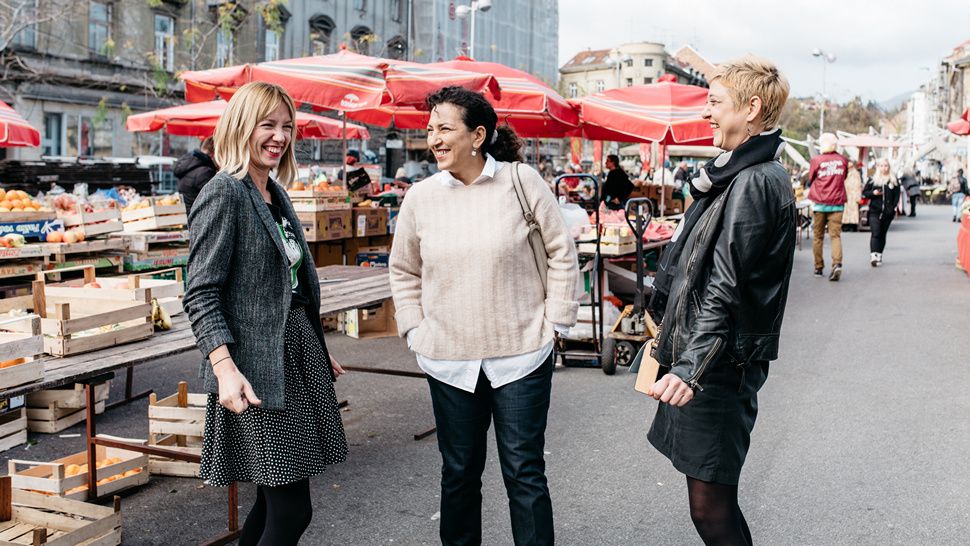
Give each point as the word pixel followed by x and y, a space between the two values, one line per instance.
pixel 341 288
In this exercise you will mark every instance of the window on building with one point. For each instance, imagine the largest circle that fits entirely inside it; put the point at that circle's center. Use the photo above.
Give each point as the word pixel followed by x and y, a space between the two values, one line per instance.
pixel 629 62
pixel 53 141
pixel 647 80
pixel 28 36
pixel 99 27
pixel 360 38
pixel 103 138
pixel 573 91
pixel 165 41
pixel 629 82
pixel 396 10
pixel 397 48
pixel 271 51
pixel 321 30
pixel 80 136
pixel 224 47
pixel 648 62
pixel 600 86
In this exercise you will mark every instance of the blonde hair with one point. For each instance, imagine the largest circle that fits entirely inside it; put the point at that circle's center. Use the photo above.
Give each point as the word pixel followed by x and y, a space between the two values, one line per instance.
pixel 753 76
pixel 251 104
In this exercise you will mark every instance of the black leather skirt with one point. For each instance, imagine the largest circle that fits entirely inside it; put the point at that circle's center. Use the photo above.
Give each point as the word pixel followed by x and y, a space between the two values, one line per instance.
pixel 708 438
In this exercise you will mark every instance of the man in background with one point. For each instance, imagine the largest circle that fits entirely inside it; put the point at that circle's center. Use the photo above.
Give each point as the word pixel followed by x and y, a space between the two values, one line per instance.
pixel 826 176
pixel 617 188
pixel 194 170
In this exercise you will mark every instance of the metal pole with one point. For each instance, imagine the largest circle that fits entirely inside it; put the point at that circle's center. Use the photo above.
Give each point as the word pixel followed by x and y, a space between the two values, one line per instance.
pixel 344 138
pixel 408 32
pixel 471 39
pixel 821 119
pixel 663 178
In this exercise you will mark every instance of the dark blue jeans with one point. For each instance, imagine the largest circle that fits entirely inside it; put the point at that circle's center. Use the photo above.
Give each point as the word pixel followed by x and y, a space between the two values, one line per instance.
pixel 519 410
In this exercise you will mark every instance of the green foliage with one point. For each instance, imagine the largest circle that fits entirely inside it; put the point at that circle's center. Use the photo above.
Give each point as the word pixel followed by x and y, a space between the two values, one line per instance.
pixel 272 14
pixel 154 3
pixel 101 112
pixel 800 117
pixel 160 76
pixel 125 112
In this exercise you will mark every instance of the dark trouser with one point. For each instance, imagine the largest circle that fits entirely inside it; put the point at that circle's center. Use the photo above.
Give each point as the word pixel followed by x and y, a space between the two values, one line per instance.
pixel 520 410
pixel 913 199
pixel 878 226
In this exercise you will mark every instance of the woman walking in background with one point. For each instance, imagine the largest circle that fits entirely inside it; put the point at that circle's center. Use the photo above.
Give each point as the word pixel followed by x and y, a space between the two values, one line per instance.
pixel 882 191
pixel 853 193
pixel 478 305
pixel 253 299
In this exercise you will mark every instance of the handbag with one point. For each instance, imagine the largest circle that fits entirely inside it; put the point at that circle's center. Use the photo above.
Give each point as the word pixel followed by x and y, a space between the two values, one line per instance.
pixel 535 233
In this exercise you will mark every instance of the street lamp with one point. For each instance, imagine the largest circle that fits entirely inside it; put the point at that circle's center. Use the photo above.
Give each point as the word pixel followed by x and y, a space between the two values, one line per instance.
pixel 465 11
pixel 826 59
pixel 617 62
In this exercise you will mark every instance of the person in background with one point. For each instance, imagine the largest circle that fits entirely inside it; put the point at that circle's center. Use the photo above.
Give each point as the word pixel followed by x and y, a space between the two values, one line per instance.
pixel 682 175
pixel 401 180
pixel 253 299
pixel 194 170
pixel 853 192
pixel 957 188
pixel 882 191
pixel 910 184
pixel 357 177
pixel 826 176
pixel 617 188
pixel 479 317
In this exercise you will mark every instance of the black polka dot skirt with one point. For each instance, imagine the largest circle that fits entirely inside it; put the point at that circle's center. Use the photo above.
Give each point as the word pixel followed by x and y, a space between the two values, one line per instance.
pixel 274 448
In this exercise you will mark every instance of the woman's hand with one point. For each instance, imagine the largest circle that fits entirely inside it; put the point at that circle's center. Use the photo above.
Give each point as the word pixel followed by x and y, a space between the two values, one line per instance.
pixel 338 370
pixel 235 392
pixel 672 390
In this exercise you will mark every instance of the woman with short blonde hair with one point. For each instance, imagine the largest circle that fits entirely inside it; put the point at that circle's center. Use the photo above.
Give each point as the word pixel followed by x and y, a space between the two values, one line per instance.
pixel 253 299
pixel 720 291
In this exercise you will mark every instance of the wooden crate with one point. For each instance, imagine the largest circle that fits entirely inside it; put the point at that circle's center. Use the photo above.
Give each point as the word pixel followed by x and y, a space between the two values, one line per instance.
pixel 13 428
pixel 53 478
pixel 33 518
pixel 335 192
pixel 101 323
pixel 321 204
pixel 20 268
pixel 56 410
pixel 134 287
pixel 33 250
pixel 24 341
pixel 141 241
pixel 176 422
pixel 25 216
pixel 155 216
pixel 94 223
pixel 59 251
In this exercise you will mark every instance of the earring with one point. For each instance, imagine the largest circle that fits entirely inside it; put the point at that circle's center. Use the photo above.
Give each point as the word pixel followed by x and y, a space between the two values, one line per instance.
pixel 474 152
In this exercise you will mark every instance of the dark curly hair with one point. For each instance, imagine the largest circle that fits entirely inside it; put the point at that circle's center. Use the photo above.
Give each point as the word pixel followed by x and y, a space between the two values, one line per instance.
pixel 501 142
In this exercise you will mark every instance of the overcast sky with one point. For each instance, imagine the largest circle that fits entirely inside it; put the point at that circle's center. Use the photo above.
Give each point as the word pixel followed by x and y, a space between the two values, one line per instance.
pixel 882 47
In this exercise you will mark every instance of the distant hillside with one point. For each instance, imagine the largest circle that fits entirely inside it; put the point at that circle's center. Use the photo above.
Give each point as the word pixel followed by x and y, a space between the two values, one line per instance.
pixel 801 116
pixel 897 101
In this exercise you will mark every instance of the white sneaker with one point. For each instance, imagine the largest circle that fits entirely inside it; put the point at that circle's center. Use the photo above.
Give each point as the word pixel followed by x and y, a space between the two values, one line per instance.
pixel 874 259
pixel 879 258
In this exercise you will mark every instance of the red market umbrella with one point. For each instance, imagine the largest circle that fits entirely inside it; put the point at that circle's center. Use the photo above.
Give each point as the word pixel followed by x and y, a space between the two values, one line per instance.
pixel 526 103
pixel 961 126
pixel 200 120
pixel 343 81
pixel 666 112
pixel 14 130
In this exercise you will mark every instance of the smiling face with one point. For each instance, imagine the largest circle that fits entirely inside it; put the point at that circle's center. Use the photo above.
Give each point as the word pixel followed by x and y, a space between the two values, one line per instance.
pixel 450 141
pixel 271 139
pixel 728 121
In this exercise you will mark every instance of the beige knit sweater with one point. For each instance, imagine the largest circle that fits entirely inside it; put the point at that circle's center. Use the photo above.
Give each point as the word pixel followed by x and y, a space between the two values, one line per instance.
pixel 463 273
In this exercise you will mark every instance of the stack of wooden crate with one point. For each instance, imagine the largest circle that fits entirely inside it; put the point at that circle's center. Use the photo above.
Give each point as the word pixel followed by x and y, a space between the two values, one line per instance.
pixel 176 422
pixel 55 410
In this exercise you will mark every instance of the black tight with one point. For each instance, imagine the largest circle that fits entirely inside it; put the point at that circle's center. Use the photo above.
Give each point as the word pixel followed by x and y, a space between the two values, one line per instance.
pixel 280 515
pixel 716 514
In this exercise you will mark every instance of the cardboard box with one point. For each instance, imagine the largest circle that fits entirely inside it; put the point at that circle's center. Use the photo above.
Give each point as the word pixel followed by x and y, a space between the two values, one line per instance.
pixel 326 225
pixel 392 219
pixel 373 259
pixel 371 322
pixel 370 221
pixel 327 253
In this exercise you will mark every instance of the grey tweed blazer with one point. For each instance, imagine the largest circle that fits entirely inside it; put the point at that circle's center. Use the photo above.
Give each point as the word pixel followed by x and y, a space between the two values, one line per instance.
pixel 239 288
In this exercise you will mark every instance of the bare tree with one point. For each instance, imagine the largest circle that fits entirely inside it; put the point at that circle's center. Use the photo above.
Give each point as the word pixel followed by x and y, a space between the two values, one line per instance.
pixel 17 16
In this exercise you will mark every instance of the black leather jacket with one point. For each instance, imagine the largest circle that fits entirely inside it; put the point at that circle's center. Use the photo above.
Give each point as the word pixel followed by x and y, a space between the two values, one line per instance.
pixel 728 300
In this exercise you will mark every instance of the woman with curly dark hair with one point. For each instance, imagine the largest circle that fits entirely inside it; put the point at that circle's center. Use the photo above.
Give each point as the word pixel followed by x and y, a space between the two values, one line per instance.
pixel 479 306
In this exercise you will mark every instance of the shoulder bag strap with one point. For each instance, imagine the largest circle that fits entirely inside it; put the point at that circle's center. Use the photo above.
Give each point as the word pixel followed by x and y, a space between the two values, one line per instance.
pixel 535 233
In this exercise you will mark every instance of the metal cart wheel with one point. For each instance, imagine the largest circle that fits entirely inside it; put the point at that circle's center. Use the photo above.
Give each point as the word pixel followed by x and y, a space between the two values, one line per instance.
pixel 624 353
pixel 607 359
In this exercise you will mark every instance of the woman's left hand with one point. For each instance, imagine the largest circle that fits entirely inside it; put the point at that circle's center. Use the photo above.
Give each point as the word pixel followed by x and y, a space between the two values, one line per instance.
pixel 672 390
pixel 338 370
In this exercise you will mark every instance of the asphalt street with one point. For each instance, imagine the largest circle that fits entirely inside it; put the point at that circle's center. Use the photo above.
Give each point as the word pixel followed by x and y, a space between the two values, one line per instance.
pixel 862 437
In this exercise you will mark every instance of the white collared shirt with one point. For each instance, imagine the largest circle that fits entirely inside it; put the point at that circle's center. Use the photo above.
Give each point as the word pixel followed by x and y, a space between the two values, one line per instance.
pixel 463 374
